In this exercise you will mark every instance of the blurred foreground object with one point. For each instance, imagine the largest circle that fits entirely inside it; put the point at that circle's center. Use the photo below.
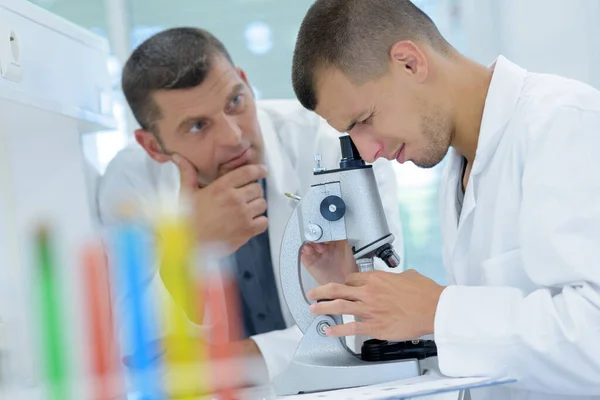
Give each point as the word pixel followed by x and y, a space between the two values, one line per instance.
pixel 54 88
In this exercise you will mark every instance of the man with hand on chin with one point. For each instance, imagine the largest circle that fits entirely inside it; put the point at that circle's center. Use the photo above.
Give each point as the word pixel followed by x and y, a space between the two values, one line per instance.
pixel 203 133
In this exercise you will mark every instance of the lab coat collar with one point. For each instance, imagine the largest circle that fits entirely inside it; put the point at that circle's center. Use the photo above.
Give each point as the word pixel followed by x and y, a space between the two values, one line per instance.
pixel 281 178
pixel 501 101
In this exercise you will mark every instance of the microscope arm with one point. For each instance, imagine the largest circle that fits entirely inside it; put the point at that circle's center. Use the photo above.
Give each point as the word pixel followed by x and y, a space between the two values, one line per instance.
pixel 291 279
pixel 306 224
pixel 325 215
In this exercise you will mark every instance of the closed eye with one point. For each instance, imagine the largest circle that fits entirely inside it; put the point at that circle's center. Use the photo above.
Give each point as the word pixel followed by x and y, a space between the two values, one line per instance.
pixel 367 120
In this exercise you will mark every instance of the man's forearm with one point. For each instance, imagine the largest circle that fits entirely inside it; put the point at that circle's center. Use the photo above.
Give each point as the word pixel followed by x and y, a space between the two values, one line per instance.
pixel 248 347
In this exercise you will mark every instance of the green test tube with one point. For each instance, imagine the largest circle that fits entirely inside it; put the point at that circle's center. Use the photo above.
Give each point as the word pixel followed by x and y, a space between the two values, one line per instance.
pixel 52 335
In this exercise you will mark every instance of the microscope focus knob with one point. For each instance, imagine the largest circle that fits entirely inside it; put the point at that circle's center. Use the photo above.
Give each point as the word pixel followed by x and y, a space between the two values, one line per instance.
pixel 313 232
pixel 333 208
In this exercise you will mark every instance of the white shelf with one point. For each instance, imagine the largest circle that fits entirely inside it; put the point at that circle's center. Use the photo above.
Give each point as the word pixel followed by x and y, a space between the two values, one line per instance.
pixel 54 87
pixel 51 64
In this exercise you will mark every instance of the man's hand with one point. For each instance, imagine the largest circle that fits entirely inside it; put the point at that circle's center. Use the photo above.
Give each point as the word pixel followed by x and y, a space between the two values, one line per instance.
pixel 392 306
pixel 231 209
pixel 247 348
pixel 329 262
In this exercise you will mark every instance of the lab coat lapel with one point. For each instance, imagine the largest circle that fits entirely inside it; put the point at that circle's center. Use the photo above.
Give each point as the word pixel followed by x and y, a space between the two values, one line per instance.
pixel 281 178
pixel 462 241
pixel 500 104
pixel 448 195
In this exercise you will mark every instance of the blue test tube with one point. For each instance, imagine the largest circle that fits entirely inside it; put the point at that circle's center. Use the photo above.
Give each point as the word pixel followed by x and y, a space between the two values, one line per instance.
pixel 131 263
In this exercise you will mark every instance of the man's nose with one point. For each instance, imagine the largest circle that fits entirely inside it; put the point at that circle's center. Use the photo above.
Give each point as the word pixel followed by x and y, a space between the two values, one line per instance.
pixel 231 134
pixel 369 148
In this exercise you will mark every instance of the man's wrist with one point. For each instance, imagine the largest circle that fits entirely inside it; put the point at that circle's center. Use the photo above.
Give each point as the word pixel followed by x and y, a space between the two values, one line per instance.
pixel 249 347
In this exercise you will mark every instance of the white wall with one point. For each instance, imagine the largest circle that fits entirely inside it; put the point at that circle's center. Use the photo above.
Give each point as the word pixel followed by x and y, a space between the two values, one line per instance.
pixel 555 36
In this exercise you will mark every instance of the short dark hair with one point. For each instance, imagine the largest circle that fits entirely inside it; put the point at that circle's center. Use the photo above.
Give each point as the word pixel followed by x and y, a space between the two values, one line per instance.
pixel 176 58
pixel 355 36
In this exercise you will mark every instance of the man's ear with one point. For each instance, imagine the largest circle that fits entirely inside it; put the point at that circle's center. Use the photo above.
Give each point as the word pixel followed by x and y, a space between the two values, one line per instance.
pixel 411 59
pixel 149 142
pixel 243 75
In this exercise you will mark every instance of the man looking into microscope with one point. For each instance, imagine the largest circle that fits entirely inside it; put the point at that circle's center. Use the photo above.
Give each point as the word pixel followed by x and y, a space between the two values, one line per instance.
pixel 521 195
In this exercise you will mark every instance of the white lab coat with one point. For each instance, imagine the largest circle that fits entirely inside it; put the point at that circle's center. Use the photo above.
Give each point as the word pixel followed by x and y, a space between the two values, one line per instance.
pixel 525 252
pixel 292 136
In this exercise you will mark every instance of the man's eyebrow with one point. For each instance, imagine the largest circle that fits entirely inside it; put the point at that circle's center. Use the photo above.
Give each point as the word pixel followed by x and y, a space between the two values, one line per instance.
pixel 189 120
pixel 236 89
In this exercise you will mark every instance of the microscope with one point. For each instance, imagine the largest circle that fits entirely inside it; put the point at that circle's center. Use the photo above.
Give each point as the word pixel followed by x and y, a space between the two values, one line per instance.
pixel 342 204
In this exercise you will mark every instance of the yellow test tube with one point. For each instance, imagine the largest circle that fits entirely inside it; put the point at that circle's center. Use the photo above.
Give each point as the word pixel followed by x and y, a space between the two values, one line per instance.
pixel 186 357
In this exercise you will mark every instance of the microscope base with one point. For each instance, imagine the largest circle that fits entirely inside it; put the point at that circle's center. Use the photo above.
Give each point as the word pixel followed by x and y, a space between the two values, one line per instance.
pixel 324 363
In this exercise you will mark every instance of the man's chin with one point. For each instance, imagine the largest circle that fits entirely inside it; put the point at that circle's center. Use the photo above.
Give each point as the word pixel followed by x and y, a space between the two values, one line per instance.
pixel 226 170
pixel 428 160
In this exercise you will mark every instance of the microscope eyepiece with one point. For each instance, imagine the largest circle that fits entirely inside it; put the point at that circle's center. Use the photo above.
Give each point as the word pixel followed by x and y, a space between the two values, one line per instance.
pixel 350 156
